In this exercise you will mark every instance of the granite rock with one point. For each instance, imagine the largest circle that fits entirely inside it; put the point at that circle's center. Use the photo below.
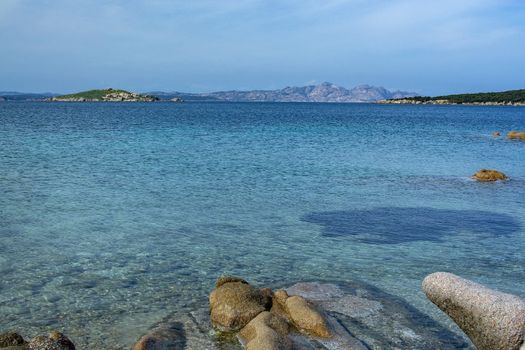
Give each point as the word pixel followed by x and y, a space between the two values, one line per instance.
pixel 167 336
pixel 266 332
pixel 492 320
pixel 234 304
pixel 11 339
pixel 306 318
pixel 488 175
pixel 54 341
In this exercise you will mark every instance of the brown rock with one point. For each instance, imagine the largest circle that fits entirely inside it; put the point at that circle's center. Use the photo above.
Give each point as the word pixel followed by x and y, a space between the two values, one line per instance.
pixel 280 296
pixel 11 339
pixel 487 175
pixel 266 332
pixel 279 304
pixel 516 135
pixel 227 279
pixel 55 341
pixel 234 304
pixel 306 318
pixel 492 320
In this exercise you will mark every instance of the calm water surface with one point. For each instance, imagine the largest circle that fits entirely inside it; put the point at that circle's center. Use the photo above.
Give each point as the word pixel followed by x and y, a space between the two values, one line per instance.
pixel 114 215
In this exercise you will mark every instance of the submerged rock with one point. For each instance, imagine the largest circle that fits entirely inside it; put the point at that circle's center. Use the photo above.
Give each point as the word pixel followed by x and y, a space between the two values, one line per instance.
pixel 169 335
pixel 492 320
pixel 364 317
pixel 496 134
pixel 357 315
pixel 55 341
pixel 266 332
pixel 11 339
pixel 487 175
pixel 235 303
pixel 516 135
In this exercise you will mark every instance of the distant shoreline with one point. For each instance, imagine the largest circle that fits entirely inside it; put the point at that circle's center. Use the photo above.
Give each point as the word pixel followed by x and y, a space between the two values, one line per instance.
pixel 446 102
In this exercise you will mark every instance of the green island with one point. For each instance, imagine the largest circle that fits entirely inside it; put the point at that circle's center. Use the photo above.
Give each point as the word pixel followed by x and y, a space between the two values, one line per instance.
pixel 104 95
pixel 504 98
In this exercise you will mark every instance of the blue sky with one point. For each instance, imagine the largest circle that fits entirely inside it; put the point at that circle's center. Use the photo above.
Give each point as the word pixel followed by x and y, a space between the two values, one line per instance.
pixel 432 47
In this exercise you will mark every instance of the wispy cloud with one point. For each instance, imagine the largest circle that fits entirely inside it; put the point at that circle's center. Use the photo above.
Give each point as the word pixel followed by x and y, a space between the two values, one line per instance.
pixel 261 43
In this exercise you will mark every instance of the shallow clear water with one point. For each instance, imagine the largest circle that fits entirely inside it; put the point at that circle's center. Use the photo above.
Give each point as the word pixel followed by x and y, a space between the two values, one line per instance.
pixel 114 215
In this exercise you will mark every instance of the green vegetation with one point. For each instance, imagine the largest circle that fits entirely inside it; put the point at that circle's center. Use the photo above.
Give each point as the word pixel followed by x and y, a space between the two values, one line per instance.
pixel 92 94
pixel 512 96
pixel 105 95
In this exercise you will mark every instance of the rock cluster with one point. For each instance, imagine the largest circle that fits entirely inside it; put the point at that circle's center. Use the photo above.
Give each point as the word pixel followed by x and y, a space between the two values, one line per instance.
pixel 54 341
pixel 491 319
pixel 488 175
pixel 263 318
pixel 357 316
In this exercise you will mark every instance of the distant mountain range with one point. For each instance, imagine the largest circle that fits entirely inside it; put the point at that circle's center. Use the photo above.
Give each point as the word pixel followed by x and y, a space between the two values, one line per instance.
pixel 325 92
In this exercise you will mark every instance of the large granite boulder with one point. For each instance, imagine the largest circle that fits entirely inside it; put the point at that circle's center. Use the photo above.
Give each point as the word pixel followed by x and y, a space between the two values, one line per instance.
pixel 11 339
pixel 487 175
pixel 266 332
pixel 54 341
pixel 516 135
pixel 492 320
pixel 234 303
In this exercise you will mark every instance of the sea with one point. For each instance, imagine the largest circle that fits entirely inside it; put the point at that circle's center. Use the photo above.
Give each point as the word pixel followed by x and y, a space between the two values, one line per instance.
pixel 114 215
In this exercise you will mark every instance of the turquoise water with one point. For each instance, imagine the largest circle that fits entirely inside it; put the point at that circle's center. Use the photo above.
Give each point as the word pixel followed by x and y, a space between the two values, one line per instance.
pixel 114 215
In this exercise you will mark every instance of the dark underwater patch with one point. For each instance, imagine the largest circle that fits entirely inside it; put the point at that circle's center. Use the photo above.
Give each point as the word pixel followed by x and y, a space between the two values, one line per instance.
pixel 391 225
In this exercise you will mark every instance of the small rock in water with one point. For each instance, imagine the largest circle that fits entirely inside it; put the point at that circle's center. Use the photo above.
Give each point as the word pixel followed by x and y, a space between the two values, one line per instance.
pixel 492 320
pixel 234 304
pixel 516 135
pixel 11 339
pixel 496 134
pixel 487 175
pixel 55 341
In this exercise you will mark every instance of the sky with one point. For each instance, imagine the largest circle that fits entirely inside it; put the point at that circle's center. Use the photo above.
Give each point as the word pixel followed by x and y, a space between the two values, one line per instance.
pixel 430 47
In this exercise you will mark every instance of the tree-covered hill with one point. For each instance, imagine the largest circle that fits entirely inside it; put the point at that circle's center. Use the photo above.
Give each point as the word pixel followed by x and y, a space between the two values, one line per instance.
pixel 511 97
pixel 113 95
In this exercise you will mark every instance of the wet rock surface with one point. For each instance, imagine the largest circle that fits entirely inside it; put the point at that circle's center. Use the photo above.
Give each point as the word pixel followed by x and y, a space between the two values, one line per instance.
pixel 266 332
pixel 489 175
pixel 11 339
pixel 359 316
pixel 378 320
pixel 493 320
pixel 306 318
pixel 54 341
pixel 234 303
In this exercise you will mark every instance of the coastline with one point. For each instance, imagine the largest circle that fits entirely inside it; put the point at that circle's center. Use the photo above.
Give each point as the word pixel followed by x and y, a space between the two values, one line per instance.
pixel 447 102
